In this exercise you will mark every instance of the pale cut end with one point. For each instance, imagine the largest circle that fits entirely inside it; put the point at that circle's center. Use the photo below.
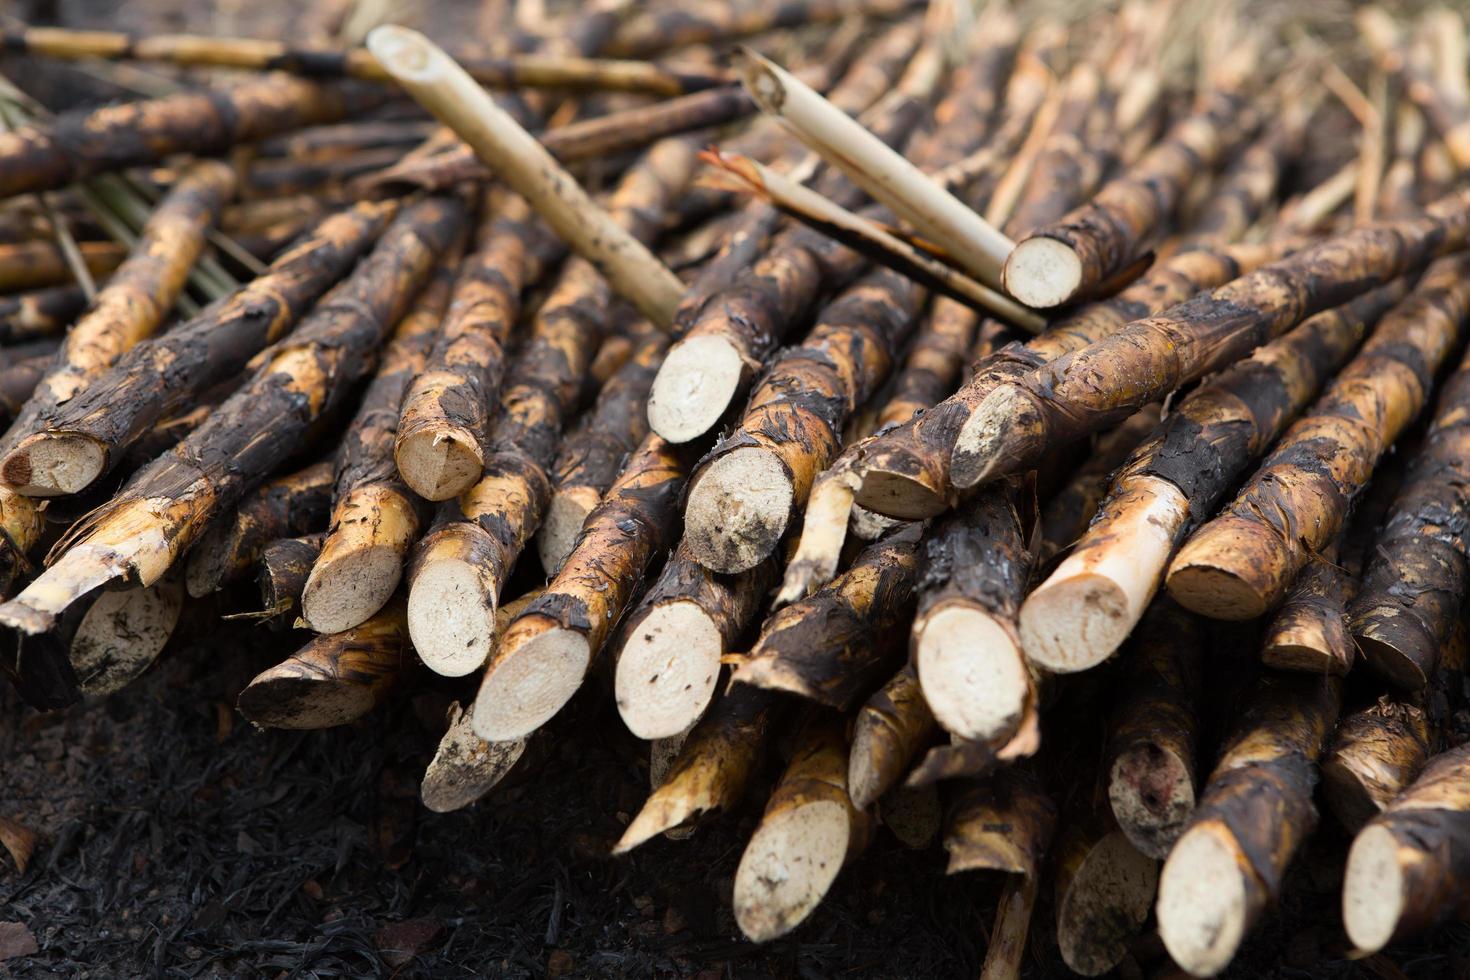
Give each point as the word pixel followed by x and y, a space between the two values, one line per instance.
pixel 1214 592
pixel 668 808
pixel 899 496
pixel 1106 906
pixel 51 464
pixel 698 381
pixel 1152 796
pixel 564 519
pixel 405 53
pixel 465 766
pixel 450 618
pixel 1372 889
pixel 350 589
pixel 523 690
pixel 787 868
pixel 1075 624
pixel 977 451
pixel 1042 272
pixel 1202 901
pixel 121 635
pixel 668 670
pixel 972 673
pixel 440 465
pixel 738 510
pixel 302 703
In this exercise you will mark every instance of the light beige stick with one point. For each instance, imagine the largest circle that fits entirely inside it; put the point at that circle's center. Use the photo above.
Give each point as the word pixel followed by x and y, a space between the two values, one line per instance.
pixel 434 80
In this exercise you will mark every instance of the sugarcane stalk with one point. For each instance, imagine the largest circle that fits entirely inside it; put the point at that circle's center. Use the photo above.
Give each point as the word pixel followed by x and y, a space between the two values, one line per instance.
pixel 835 644
pixel 809 831
pixel 290 505
pixel 1153 740
pixel 375 517
pixel 593 452
pixel 1084 391
pixel 135 301
pixel 1071 258
pixel 1418 572
pixel 1448 115
pixel 907 472
pixel 887 733
pixel 1249 185
pixel 473 550
pixel 1253 815
pixel 437 82
pixel 744 492
pixel 94 429
pixel 34 264
pixel 1007 948
pixel 714 766
pixel 659 30
pixel 40 313
pixel 1002 823
pixel 1083 611
pixel 83 144
pixel 335 679
pixel 168 504
pixel 444 423
pixel 545 653
pixel 1406 869
pixel 675 640
pixel 966 238
pixel 1321 463
pixel 1376 753
pixel 259 54
pixel 281 574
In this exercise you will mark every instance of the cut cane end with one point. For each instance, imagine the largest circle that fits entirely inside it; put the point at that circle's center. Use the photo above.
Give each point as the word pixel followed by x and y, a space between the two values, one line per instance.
pixel 404 52
pixel 450 619
pixel 1042 272
pixel 526 687
pixel 738 510
pixel 121 635
pixel 1152 795
pixel 1217 593
pixel 787 868
pixel 699 379
pixel 1372 889
pixel 1003 417
pixel 565 516
pixel 971 671
pixel 1347 796
pixel 350 589
pixel 440 465
pixel 297 703
pixel 53 464
pixel 1075 624
pixel 1105 906
pixel 668 670
pixel 466 767
pixel 896 495
pixel 1202 901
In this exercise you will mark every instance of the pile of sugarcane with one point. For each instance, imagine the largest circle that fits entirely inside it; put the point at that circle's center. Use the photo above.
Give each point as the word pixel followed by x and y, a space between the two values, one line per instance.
pixel 903 415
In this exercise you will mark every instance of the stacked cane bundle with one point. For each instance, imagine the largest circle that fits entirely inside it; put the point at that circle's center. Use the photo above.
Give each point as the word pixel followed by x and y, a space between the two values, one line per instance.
pixel 910 436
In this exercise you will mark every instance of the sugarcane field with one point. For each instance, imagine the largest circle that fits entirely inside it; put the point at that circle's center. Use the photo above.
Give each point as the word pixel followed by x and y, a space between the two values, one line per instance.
pixel 729 489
